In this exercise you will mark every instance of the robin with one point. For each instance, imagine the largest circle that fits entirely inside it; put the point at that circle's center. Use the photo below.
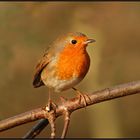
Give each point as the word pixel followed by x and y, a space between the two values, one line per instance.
pixel 64 64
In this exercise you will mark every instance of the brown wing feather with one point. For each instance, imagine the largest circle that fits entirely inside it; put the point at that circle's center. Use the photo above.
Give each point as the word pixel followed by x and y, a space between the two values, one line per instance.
pixel 37 82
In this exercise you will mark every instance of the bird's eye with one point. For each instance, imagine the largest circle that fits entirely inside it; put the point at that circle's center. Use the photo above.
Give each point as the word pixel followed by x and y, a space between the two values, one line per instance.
pixel 74 41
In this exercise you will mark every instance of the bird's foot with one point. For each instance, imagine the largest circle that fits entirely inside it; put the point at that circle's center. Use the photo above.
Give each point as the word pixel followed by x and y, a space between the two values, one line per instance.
pixel 82 97
pixel 51 105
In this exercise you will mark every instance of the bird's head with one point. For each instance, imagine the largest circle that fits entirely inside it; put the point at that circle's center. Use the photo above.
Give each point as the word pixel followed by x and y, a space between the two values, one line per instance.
pixel 72 41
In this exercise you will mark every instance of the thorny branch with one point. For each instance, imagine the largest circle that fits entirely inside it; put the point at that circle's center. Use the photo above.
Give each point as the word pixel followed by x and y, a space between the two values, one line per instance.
pixel 68 107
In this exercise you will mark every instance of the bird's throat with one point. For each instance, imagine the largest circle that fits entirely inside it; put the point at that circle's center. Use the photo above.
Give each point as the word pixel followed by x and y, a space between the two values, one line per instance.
pixel 72 63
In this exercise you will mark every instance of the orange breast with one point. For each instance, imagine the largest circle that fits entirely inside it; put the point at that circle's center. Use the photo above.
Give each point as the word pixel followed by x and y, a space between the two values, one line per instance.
pixel 72 62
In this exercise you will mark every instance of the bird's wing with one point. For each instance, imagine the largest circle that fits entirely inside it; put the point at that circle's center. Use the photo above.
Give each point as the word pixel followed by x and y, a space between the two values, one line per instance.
pixel 37 82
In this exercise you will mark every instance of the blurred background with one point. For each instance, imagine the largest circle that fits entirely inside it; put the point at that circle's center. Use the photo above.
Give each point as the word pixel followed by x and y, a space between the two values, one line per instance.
pixel 26 30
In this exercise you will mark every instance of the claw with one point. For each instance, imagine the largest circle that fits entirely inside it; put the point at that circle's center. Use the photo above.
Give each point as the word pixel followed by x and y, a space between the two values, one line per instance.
pixel 88 97
pixel 80 95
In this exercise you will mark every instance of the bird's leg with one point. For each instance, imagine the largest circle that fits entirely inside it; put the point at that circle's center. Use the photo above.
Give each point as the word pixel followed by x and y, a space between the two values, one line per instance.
pixel 49 100
pixel 83 96
pixel 50 105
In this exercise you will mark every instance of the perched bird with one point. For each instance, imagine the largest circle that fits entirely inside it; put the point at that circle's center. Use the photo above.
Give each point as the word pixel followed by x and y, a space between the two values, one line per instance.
pixel 64 64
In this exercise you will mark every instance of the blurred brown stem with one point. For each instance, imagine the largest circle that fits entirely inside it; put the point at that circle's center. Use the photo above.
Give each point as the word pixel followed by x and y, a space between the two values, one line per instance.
pixel 72 105
pixel 37 129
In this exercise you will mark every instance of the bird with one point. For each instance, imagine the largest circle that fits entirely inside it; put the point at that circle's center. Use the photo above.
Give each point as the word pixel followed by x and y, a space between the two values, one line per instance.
pixel 64 64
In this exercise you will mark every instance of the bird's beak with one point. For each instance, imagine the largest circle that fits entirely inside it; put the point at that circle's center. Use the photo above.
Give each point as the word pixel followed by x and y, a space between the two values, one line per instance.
pixel 89 41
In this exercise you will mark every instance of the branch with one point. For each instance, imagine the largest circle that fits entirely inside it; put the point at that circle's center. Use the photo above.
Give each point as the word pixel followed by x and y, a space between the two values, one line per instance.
pixel 37 129
pixel 72 105
pixel 66 123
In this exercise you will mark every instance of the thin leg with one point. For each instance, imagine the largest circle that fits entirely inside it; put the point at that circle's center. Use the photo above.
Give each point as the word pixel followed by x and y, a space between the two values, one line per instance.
pixel 48 108
pixel 50 104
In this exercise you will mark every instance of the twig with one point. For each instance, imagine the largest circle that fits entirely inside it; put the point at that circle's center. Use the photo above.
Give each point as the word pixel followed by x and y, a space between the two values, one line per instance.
pixel 66 115
pixel 37 129
pixel 66 123
pixel 51 120
pixel 72 104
